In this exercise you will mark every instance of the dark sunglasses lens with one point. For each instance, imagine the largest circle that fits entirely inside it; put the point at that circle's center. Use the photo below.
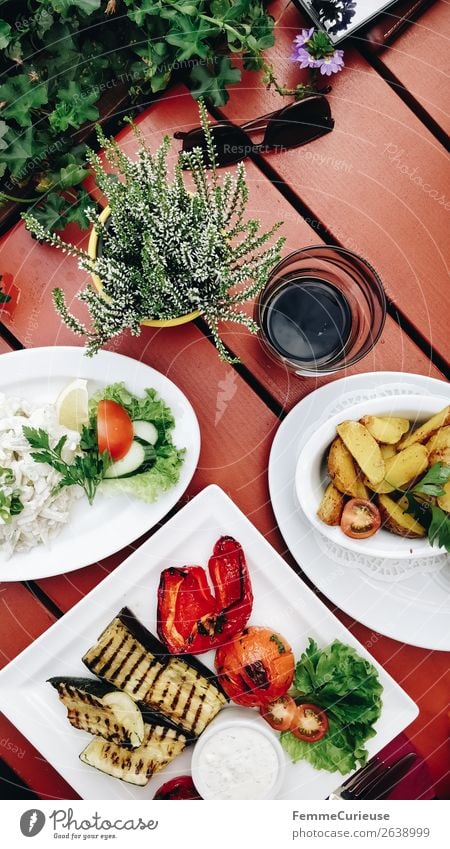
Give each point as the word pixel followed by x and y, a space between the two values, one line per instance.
pixel 230 142
pixel 301 123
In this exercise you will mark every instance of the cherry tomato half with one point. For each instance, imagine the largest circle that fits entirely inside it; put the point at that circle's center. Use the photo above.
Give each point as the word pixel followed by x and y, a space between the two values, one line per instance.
pixel 360 518
pixel 114 429
pixel 280 714
pixel 310 723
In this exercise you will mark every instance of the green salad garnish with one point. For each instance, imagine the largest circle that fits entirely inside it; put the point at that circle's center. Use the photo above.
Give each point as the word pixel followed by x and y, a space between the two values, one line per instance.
pixel 347 688
pixel 165 471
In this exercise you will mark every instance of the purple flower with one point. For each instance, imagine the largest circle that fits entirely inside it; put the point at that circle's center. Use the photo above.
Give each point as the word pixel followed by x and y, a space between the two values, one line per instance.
pixel 299 42
pixel 306 60
pixel 331 64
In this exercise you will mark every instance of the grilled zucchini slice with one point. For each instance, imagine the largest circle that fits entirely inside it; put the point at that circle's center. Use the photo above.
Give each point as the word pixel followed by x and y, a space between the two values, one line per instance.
pixel 99 708
pixel 136 766
pixel 133 660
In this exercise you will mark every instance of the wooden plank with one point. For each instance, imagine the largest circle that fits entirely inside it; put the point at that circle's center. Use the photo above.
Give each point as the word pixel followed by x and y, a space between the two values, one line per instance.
pixel 375 181
pixel 419 60
pixel 23 618
pixel 4 347
pixel 30 766
pixel 36 269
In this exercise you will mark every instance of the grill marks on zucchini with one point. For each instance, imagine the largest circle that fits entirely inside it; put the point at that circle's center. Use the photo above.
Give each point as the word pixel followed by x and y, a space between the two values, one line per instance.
pixel 159 747
pixel 100 709
pixel 133 660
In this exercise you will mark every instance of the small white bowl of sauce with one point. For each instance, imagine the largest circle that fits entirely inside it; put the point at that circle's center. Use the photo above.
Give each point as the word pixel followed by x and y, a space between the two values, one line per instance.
pixel 238 757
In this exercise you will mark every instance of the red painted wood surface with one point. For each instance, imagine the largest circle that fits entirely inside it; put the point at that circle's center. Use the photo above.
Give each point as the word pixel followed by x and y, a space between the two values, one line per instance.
pixel 420 61
pixel 385 220
pixel 22 619
pixel 379 181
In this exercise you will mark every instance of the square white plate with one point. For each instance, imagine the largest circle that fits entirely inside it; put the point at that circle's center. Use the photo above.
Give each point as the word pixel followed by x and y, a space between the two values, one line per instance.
pixel 281 601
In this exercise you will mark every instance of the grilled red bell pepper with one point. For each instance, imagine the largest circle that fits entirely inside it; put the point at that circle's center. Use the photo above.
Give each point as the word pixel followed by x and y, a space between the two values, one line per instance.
pixel 190 618
pixel 178 788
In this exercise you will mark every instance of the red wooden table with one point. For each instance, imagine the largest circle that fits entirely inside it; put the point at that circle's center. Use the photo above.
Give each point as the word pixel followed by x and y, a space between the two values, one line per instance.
pixel 353 187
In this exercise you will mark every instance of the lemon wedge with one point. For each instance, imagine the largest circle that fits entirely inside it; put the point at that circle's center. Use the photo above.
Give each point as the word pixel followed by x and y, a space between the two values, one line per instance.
pixel 72 405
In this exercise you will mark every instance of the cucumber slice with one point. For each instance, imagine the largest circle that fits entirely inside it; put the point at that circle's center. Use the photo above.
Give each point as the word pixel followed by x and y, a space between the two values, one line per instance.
pixel 128 465
pixel 146 431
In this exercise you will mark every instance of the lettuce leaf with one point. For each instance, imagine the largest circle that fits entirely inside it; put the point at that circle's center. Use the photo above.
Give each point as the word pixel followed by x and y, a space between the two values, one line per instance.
pixel 347 688
pixel 165 473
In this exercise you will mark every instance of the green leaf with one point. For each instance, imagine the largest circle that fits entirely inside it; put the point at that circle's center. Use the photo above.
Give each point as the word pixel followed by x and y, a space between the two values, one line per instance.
pixel 211 84
pixel 3 130
pixel 21 146
pixel 21 95
pixel 5 34
pixel 333 752
pixel 37 437
pixel 76 212
pixel 346 686
pixel 63 7
pixel 142 10
pixel 51 212
pixel 74 107
pixel 419 509
pixel 433 482
pixel 439 530
pixel 191 37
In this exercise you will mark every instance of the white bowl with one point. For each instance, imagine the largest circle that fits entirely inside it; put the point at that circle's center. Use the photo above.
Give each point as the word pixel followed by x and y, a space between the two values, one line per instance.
pixel 232 718
pixel 311 475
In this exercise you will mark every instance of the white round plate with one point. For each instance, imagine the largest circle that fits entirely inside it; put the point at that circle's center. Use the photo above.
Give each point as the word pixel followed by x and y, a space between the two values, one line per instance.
pixel 415 610
pixel 93 533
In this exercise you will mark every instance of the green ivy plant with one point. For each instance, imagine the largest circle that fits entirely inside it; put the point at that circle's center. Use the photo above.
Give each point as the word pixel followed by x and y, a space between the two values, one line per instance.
pixel 167 251
pixel 59 56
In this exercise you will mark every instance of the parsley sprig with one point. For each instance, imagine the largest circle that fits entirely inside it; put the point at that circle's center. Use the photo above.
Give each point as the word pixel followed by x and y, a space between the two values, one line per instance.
pixel 87 469
pixel 435 520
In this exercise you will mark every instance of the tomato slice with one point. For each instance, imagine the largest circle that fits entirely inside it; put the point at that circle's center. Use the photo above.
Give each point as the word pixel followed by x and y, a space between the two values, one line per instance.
pixel 360 518
pixel 114 429
pixel 310 723
pixel 280 714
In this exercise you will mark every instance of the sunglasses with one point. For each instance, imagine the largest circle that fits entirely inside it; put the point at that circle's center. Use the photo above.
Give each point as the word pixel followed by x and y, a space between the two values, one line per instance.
pixel 294 125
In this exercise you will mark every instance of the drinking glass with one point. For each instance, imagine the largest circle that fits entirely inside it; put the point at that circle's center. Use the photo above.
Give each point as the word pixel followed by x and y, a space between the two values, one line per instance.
pixel 345 308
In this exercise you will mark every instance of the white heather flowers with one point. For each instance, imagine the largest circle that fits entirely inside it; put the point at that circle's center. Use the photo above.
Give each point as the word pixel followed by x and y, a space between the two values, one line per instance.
pixel 166 251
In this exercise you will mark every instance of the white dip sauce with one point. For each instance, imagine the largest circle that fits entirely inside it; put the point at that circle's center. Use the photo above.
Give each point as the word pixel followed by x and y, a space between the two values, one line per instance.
pixel 238 763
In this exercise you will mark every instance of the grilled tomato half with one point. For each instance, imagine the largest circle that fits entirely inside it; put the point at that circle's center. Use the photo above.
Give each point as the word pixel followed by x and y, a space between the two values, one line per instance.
pixel 255 667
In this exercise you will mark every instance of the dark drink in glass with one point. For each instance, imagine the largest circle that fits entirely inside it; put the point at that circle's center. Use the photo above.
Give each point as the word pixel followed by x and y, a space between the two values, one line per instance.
pixel 322 310
pixel 308 320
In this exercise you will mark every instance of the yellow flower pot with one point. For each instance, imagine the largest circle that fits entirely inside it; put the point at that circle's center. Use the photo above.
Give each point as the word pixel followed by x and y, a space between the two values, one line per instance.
pixel 148 322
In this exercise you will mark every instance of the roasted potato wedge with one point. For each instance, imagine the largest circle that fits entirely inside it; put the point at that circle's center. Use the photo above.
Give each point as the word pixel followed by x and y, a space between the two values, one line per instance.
pixel 343 472
pixel 331 506
pixel 387 451
pixel 364 449
pixel 441 439
pixel 387 429
pixel 440 455
pixel 444 500
pixel 402 468
pixel 397 521
pixel 428 429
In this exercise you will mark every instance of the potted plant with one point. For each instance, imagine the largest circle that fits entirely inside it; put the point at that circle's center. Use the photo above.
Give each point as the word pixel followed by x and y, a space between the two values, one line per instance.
pixel 167 253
